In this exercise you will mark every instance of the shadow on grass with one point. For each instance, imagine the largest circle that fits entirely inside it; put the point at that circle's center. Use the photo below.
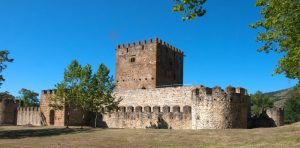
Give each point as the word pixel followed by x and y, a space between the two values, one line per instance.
pixel 25 133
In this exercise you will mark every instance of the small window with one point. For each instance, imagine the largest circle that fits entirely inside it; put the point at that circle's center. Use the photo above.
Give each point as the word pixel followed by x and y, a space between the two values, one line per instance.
pixel 132 60
pixel 126 49
pixel 143 47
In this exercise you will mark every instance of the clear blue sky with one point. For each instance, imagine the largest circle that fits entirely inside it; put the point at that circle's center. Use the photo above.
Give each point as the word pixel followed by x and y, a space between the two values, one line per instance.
pixel 43 37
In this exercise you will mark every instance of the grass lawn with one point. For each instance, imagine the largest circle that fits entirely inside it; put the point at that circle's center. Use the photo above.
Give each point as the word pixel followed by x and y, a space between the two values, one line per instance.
pixel 16 136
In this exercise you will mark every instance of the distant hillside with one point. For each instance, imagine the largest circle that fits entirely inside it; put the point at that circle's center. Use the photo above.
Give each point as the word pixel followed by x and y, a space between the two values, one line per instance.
pixel 280 96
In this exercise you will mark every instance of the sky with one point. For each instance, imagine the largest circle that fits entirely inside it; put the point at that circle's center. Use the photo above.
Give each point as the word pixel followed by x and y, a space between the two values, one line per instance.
pixel 44 36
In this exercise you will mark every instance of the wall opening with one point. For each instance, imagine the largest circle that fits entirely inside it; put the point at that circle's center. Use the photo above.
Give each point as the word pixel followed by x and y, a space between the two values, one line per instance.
pixel 197 92
pixel 52 117
pixel 132 60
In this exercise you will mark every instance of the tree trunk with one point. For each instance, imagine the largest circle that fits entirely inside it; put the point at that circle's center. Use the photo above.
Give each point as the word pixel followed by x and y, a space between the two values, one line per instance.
pixel 82 121
pixel 68 118
pixel 68 115
pixel 95 124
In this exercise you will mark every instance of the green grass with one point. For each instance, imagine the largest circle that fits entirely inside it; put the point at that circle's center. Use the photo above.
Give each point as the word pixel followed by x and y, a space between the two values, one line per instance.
pixel 16 136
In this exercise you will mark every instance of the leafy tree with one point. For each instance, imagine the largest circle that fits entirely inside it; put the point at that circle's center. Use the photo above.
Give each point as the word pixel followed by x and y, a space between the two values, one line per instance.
pixel 259 102
pixel 83 90
pixel 100 92
pixel 3 59
pixel 292 109
pixel 28 98
pixel 189 8
pixel 281 33
pixel 67 91
pixel 6 95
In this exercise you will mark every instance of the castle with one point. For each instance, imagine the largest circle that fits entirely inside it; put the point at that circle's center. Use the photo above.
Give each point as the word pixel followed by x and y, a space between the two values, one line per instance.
pixel 149 80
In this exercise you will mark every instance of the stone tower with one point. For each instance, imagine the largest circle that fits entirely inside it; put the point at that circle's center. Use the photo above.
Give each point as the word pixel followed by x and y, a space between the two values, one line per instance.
pixel 151 64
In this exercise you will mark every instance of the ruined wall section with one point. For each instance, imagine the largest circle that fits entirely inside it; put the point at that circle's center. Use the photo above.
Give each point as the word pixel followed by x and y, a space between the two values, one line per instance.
pixel 8 111
pixel 276 114
pixel 136 65
pixel 130 117
pixel 216 109
pixel 29 116
pixel 169 65
pixel 59 115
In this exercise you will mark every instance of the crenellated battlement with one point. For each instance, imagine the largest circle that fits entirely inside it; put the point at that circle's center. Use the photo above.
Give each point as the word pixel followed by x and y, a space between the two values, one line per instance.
pixel 147 42
pixel 216 93
pixel 29 116
pixel 49 91
pixel 155 109
pixel 28 108
pixel 149 117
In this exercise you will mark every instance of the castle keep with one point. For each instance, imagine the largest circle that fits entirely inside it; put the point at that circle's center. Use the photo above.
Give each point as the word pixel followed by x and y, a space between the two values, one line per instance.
pixel 149 80
pixel 144 65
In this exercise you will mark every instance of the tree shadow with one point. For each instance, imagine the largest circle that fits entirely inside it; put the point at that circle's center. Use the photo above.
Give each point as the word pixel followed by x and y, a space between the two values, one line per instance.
pixel 47 132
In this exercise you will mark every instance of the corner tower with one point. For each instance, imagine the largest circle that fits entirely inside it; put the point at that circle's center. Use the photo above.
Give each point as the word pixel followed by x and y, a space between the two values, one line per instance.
pixel 144 65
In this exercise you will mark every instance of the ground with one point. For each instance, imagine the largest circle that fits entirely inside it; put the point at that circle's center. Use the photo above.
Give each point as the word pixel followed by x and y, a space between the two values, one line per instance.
pixel 17 136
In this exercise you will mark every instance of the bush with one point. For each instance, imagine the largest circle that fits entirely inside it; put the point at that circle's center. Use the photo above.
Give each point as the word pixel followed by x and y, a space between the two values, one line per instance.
pixel 259 102
pixel 292 109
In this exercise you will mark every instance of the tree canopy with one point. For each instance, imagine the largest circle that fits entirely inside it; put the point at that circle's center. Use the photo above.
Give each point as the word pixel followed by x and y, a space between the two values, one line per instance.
pixel 281 33
pixel 3 60
pixel 84 90
pixel 6 95
pixel 292 109
pixel 259 102
pixel 28 98
pixel 189 8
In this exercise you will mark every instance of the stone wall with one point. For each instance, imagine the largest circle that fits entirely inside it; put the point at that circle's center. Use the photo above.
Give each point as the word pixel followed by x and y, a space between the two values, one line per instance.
pixel 169 65
pixel 211 108
pixel 217 109
pixel 147 117
pixel 8 111
pixel 29 116
pixel 167 96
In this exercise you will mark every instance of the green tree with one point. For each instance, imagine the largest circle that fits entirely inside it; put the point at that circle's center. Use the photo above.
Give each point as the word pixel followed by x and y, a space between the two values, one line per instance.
pixel 189 8
pixel 67 91
pixel 3 59
pixel 259 102
pixel 292 109
pixel 28 98
pixel 83 90
pixel 6 95
pixel 100 93
pixel 281 33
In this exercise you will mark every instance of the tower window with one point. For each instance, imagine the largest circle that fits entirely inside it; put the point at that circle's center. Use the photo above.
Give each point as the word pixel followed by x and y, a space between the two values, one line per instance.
pixel 132 60
pixel 126 49
pixel 143 47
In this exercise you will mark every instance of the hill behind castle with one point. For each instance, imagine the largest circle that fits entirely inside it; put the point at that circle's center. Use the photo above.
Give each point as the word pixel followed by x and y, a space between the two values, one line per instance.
pixel 281 96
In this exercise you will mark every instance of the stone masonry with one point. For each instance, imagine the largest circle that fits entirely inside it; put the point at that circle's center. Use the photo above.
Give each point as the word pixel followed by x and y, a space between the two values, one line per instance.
pixel 8 111
pixel 144 65
pixel 149 78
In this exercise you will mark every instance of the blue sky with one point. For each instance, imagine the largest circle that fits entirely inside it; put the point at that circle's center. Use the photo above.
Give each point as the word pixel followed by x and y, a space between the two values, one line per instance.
pixel 43 37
